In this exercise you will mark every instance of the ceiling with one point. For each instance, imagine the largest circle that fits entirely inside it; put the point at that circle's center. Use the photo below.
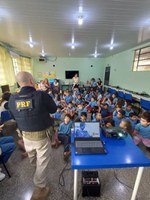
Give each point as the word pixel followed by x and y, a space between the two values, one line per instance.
pixel 53 23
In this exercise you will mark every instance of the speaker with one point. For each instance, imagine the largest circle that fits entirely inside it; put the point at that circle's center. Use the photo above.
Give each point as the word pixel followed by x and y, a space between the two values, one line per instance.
pixel 42 59
pixel 5 88
pixel 91 185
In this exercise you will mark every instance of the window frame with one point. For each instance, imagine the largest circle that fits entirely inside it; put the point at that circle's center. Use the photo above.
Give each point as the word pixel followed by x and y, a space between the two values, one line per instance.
pixel 137 59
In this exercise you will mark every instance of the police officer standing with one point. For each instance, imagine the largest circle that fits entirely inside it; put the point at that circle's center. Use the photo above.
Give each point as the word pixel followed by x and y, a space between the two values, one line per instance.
pixel 31 110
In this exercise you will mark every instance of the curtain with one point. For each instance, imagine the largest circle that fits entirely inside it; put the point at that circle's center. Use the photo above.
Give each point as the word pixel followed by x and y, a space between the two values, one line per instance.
pixel 7 75
pixel 23 64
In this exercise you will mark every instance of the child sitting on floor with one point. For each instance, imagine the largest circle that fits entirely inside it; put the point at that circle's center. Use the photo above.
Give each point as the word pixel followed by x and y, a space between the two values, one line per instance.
pixel 64 132
pixel 120 116
pixel 133 119
pixel 142 131
pixel 127 126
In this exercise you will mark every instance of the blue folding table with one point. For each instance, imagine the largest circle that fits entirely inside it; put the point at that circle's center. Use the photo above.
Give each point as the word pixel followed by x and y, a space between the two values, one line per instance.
pixel 121 153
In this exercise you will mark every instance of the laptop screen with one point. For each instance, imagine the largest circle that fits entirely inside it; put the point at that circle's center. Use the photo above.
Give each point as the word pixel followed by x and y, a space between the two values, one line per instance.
pixel 87 129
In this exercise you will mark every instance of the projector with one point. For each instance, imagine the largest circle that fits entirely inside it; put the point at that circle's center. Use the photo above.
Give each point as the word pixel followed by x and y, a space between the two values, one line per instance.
pixel 42 59
pixel 114 132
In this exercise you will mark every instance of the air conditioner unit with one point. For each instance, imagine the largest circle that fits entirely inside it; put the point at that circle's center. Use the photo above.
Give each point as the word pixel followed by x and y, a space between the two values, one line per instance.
pixel 42 59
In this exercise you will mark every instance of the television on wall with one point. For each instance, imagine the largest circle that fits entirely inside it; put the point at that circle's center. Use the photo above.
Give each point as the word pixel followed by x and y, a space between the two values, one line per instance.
pixel 70 74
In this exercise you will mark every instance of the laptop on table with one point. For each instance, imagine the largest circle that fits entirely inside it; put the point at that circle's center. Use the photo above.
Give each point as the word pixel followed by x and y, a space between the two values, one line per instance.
pixel 87 138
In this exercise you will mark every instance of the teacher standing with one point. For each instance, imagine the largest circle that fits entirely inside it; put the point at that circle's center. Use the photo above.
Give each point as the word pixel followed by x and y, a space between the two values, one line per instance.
pixel 75 81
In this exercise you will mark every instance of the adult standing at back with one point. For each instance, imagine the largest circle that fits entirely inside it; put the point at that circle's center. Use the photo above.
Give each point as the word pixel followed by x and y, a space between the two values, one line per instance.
pixel 31 110
pixel 75 81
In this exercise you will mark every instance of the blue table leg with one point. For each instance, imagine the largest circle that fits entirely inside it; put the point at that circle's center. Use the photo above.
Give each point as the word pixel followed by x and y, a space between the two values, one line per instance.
pixel 75 184
pixel 137 182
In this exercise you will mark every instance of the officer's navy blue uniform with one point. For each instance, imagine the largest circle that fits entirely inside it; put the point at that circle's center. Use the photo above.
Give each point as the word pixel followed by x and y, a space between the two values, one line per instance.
pixel 31 109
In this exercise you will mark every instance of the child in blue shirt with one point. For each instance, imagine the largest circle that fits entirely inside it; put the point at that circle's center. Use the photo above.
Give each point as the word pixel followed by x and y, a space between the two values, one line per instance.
pixel 116 111
pixel 87 98
pixel 133 119
pixel 64 132
pixel 58 113
pixel 111 106
pixel 83 117
pixel 81 109
pixel 106 94
pixel 78 100
pixel 104 110
pixel 70 110
pixel 120 116
pixel 92 103
pixel 68 98
pixel 115 99
pixel 128 109
pixel 142 131
pixel 98 118
pixel 93 83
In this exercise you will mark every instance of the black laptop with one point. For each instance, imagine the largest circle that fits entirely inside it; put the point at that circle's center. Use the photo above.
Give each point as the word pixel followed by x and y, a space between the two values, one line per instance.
pixel 87 138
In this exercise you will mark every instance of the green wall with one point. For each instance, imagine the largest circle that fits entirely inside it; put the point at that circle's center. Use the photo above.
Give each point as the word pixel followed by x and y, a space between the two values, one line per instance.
pixel 86 72
pixel 122 75
pixel 121 70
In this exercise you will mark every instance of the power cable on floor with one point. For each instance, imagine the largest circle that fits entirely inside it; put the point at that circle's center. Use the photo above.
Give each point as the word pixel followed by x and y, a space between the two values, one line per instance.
pixel 116 177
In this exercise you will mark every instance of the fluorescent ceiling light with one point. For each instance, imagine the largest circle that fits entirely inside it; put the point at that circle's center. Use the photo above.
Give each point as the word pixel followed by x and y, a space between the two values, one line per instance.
pixel 72 46
pixel 31 45
pixel 111 47
pixel 43 52
pixel 80 20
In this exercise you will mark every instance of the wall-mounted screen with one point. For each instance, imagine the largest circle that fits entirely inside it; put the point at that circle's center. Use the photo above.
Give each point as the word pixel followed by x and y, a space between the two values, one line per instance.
pixel 70 74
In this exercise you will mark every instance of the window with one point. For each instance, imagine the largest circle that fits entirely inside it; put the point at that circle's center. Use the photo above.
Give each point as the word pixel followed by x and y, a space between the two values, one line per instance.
pixel 142 59
pixel 22 64
pixel 2 76
pixel 6 68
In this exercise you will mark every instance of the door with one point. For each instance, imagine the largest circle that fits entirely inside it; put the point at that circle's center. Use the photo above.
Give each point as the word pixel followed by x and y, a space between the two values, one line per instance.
pixel 107 75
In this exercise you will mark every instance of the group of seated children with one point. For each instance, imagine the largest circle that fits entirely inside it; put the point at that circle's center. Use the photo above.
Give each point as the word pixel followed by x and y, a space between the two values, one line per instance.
pixel 95 106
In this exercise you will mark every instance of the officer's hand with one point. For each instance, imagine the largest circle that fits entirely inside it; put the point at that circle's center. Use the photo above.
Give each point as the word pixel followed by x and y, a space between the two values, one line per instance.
pixel 1 127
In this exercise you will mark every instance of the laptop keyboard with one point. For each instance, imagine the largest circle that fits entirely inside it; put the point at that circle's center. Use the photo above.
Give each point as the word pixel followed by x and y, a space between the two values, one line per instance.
pixel 88 144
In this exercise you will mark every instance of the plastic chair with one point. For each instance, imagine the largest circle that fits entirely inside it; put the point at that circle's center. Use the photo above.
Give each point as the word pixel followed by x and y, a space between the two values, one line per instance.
pixel 5 116
pixel 128 97
pixel 112 91
pixel 145 104
pixel 121 94
pixel 3 163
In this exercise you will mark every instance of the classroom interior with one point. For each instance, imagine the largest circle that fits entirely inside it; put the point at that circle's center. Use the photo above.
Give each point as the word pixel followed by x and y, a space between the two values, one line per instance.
pixel 48 34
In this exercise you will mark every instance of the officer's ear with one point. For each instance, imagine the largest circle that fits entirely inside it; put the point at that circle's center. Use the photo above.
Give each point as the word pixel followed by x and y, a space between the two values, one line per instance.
pixel 32 82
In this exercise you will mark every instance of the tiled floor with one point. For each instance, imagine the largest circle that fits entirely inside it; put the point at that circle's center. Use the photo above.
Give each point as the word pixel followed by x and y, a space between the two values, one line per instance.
pixel 20 185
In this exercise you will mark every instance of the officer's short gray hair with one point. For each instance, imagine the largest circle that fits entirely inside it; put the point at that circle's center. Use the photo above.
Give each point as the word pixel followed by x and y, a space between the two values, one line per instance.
pixel 23 77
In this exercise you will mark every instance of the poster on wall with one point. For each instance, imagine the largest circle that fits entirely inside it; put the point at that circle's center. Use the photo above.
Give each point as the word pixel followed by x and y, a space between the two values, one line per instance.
pixel 48 75
pixel 39 74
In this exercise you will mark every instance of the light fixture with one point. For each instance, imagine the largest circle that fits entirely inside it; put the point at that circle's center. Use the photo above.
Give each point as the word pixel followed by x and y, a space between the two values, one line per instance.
pixel 95 55
pixel 72 46
pixel 111 47
pixel 31 44
pixel 80 20
pixel 43 52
